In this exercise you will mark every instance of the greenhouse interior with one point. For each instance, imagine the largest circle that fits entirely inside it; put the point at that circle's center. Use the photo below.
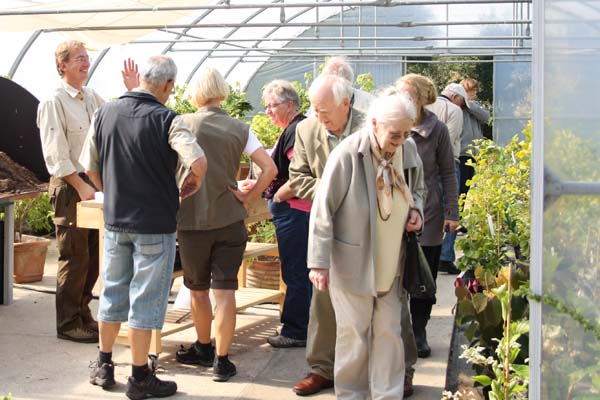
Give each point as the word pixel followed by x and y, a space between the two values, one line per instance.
pixel 537 63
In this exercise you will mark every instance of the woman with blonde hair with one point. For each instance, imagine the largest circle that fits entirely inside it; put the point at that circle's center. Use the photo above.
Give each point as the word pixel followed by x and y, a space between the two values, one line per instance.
pixel 441 204
pixel 210 227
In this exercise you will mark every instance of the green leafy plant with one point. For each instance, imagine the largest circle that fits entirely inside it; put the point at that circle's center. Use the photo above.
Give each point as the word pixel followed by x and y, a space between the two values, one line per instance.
pixel 33 215
pixel 7 397
pixel 237 104
pixel 262 232
pixel 180 101
pixel 493 304
pixel 365 82
pixel 496 210
pixel 265 131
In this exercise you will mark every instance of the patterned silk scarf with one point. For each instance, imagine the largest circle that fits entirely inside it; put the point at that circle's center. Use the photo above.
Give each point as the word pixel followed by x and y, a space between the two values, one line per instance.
pixel 387 179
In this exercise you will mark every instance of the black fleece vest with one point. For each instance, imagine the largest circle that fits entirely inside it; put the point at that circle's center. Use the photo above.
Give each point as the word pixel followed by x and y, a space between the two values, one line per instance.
pixel 137 165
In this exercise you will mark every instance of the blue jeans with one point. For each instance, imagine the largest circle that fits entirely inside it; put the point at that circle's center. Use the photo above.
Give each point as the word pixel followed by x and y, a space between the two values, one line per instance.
pixel 291 227
pixel 448 243
pixel 136 272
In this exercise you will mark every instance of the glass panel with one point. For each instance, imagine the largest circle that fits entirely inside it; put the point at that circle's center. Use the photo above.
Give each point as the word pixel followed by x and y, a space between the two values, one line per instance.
pixel 570 354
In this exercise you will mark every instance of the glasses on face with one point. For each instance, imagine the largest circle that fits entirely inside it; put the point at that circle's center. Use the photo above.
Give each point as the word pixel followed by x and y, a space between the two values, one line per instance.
pixel 404 135
pixel 272 106
pixel 82 59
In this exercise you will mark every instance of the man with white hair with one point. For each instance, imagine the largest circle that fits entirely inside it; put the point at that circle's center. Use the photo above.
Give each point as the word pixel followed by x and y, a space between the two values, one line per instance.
pixel 131 152
pixel 339 66
pixel 447 108
pixel 333 120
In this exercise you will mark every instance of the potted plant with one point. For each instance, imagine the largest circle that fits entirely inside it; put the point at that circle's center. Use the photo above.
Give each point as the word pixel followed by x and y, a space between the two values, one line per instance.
pixel 263 271
pixel 31 215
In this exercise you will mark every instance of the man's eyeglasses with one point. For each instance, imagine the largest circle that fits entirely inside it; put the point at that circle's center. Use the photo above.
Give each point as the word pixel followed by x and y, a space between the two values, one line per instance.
pixel 82 59
pixel 272 106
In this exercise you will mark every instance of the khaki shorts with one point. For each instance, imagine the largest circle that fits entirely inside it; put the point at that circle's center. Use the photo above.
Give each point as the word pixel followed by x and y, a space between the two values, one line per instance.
pixel 212 259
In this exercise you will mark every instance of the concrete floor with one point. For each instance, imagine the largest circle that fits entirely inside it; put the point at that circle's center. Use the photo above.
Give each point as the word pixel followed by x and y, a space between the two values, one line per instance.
pixel 34 364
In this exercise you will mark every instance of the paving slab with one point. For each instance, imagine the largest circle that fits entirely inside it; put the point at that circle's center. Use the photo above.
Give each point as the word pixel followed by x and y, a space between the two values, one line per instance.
pixel 35 365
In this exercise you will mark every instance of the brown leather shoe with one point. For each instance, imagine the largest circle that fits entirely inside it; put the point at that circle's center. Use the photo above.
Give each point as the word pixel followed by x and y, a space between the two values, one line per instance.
pixel 313 383
pixel 408 386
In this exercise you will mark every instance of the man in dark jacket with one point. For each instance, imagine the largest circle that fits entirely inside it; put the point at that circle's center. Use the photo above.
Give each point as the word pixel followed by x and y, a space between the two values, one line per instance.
pixel 131 151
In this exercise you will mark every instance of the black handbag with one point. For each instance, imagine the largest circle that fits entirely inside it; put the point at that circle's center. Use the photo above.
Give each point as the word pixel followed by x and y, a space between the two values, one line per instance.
pixel 418 280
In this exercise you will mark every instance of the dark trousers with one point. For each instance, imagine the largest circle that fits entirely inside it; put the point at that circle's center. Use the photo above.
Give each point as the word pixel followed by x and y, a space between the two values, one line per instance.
pixel 291 227
pixel 77 260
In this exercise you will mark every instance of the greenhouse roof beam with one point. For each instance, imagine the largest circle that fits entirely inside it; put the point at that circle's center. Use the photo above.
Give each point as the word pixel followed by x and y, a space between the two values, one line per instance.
pixel 362 49
pixel 254 57
pixel 228 6
pixel 406 24
pixel 21 55
pixel 186 30
pixel 199 64
pixel 402 59
pixel 316 38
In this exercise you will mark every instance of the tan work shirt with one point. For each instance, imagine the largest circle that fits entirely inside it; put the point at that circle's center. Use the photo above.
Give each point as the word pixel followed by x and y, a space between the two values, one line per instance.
pixel 181 139
pixel 64 120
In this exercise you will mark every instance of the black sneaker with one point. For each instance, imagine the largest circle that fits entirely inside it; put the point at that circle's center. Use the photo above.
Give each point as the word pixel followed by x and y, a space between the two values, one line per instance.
pixel 448 267
pixel 281 342
pixel 223 370
pixel 102 375
pixel 196 354
pixel 149 387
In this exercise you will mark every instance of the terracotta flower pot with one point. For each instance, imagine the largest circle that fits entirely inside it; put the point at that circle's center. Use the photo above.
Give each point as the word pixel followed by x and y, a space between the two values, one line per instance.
pixel 264 274
pixel 30 257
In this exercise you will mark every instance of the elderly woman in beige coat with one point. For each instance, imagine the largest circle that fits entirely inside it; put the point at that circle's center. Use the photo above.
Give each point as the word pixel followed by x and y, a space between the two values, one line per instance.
pixel 361 208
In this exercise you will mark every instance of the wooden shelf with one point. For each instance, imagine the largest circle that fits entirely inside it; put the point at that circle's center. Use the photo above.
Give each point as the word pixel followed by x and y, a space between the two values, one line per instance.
pixel 90 216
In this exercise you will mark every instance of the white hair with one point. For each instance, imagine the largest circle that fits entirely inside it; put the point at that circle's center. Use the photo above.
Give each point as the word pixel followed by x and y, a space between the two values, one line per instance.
pixel 283 91
pixel 158 70
pixel 391 106
pixel 339 66
pixel 341 88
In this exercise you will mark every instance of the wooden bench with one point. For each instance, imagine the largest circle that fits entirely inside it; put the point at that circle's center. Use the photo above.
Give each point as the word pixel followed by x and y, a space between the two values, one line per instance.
pixel 89 215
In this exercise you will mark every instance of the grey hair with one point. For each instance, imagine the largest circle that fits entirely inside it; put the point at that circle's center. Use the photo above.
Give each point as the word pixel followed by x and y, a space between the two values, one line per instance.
pixel 340 87
pixel 158 70
pixel 339 66
pixel 283 91
pixel 391 106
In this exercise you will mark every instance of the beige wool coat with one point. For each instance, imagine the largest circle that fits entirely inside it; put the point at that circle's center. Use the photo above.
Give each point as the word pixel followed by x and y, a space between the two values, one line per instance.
pixel 344 212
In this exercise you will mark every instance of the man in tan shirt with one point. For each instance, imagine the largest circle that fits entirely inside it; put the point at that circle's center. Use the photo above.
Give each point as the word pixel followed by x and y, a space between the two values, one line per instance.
pixel 64 120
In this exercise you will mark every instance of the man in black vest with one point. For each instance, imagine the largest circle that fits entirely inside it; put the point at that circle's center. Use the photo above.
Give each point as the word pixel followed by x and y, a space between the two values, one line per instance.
pixel 131 151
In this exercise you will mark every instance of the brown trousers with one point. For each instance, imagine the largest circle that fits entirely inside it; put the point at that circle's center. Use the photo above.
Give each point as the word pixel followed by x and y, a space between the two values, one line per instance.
pixel 77 260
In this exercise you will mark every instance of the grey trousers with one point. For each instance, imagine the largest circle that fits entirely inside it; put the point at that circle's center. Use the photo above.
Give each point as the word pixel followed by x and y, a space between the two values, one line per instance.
pixel 320 340
pixel 369 350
